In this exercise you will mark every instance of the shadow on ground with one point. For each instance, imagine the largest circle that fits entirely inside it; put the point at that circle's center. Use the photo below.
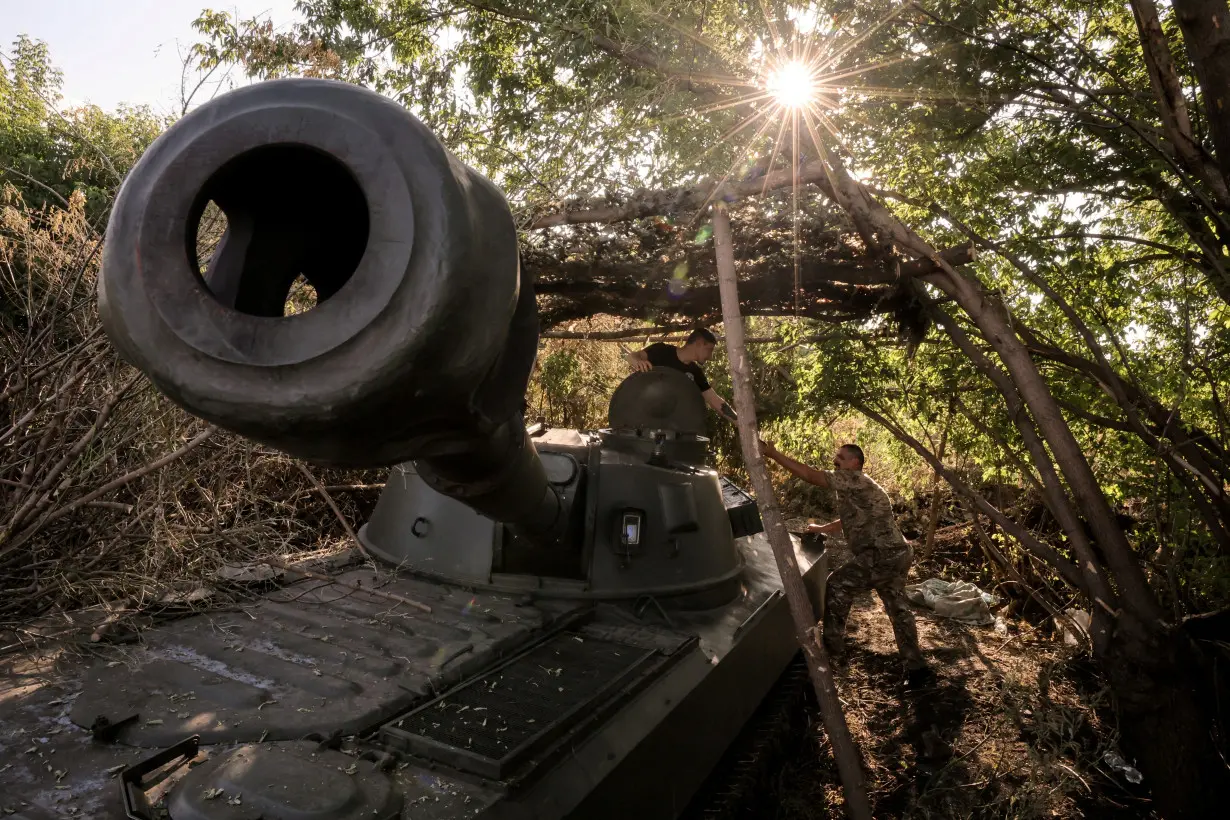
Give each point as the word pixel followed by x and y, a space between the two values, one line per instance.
pixel 1010 727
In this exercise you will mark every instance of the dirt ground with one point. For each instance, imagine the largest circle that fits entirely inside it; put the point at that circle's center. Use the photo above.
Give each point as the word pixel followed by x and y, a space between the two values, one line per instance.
pixel 1013 726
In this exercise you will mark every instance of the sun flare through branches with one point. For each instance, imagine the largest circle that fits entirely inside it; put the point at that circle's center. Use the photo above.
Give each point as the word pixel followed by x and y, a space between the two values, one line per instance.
pixel 792 84
pixel 792 92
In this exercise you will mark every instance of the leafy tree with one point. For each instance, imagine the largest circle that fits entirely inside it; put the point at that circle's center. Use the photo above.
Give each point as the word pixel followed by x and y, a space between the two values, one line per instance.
pixel 59 170
pixel 47 152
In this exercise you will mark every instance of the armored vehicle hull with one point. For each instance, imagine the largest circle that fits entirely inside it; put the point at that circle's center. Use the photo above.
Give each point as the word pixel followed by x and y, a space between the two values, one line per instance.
pixel 322 702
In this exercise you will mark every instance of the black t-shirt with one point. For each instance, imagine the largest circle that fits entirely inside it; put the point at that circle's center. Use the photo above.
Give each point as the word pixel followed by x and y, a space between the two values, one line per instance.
pixel 661 354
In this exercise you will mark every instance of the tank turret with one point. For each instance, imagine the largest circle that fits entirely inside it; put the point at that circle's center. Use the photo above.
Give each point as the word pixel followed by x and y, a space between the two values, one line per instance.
pixel 417 353
pixel 648 515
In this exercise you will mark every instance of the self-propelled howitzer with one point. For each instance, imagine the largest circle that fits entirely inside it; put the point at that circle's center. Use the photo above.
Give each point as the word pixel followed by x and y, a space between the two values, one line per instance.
pixel 604 612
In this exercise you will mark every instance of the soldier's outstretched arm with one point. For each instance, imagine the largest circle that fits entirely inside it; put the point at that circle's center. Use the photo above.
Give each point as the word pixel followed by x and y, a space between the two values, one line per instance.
pixel 809 474
pixel 720 405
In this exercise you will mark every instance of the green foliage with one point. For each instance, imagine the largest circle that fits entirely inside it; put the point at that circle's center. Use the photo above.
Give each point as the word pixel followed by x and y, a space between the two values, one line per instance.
pixel 573 382
pixel 549 99
pixel 59 170
pixel 48 153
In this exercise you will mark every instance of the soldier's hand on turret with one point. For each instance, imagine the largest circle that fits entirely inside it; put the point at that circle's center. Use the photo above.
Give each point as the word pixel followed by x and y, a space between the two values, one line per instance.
pixel 640 365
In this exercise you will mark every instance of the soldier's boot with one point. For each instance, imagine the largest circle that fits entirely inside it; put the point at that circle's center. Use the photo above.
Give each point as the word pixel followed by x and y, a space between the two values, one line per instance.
pixel 836 612
pixel 904 629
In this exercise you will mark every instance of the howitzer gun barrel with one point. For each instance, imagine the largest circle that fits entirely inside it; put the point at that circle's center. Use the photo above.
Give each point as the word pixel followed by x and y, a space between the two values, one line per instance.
pixel 425 329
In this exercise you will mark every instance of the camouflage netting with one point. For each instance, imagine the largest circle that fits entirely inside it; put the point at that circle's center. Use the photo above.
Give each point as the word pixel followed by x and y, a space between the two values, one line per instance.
pixel 662 269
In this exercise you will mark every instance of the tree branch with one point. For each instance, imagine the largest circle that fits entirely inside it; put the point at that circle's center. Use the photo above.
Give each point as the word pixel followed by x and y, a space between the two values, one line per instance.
pixel 1206 32
pixel 1066 569
pixel 1172 105
pixel 844 749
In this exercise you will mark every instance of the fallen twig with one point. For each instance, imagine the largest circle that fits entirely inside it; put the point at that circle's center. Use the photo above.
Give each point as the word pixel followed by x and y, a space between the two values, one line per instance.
pixel 976 746
pixel 320 576
pixel 336 511
pixel 339 488
pixel 109 622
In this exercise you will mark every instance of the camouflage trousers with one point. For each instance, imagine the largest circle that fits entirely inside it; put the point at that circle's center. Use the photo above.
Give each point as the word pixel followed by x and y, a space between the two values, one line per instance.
pixel 883 570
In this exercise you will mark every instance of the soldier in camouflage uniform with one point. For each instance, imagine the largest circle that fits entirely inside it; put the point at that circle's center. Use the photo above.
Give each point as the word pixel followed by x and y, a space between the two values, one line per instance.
pixel 881 555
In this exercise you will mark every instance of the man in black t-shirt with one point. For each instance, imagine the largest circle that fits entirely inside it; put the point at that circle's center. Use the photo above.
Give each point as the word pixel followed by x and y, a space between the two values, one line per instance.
pixel 687 359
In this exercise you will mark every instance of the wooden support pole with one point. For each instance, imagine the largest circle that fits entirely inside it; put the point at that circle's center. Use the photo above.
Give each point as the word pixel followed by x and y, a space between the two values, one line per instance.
pixel 849 761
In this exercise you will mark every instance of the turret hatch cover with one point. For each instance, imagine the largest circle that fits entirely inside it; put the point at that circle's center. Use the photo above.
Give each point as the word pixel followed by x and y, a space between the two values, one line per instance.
pixel 658 399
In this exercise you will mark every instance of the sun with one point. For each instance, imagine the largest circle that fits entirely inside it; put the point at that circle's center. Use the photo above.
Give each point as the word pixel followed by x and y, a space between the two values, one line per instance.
pixel 792 85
